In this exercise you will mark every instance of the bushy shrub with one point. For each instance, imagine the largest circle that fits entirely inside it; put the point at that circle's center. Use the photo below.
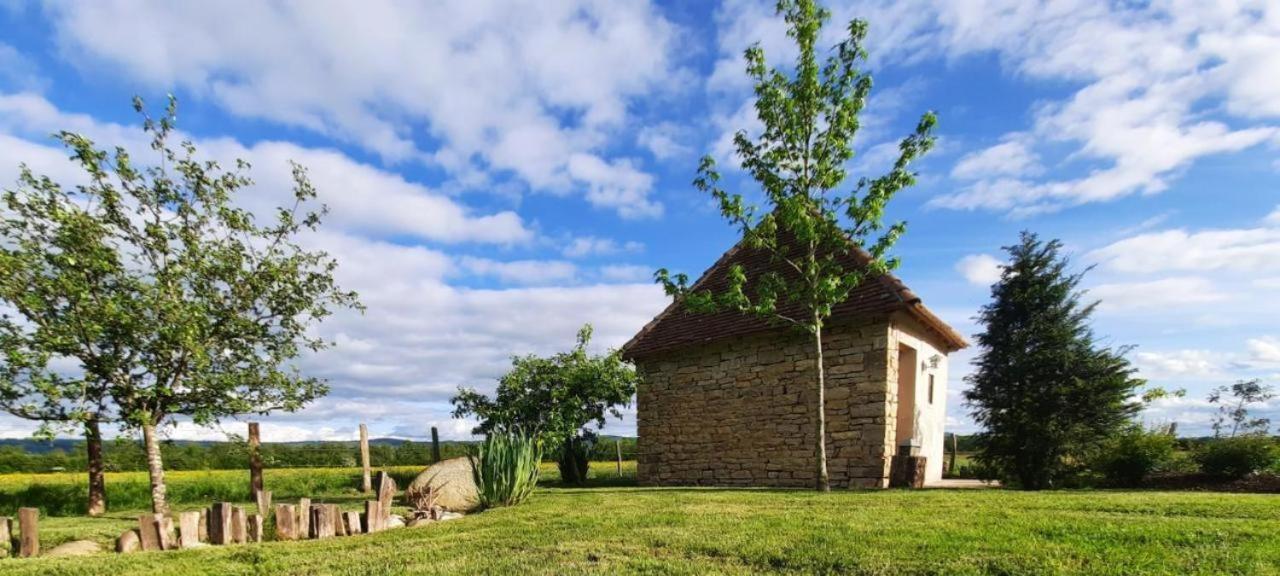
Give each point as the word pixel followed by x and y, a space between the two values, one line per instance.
pixel 505 468
pixel 1133 455
pixel 1237 457
pixel 575 458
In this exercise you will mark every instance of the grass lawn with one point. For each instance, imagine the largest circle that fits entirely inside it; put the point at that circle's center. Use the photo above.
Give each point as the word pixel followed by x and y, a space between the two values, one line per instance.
pixel 628 530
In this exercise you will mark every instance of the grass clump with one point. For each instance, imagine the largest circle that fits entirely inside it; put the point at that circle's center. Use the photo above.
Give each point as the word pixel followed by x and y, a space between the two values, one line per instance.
pixel 505 468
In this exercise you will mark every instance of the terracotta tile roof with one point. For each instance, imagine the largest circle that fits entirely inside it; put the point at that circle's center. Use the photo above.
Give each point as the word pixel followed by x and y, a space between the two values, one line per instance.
pixel 677 327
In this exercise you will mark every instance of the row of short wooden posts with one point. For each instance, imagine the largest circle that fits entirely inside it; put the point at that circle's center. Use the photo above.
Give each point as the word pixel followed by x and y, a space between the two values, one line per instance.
pixel 27 536
pixel 225 524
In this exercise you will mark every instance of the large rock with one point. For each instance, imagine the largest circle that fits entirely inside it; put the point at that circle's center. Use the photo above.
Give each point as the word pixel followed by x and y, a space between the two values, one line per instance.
pixel 129 541
pixel 452 483
pixel 74 548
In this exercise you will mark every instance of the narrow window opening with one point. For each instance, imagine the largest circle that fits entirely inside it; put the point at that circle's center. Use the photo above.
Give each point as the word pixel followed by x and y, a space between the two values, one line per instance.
pixel 931 388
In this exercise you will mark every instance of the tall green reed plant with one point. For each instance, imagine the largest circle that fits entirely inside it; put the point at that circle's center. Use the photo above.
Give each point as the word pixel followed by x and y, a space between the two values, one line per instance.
pixel 505 467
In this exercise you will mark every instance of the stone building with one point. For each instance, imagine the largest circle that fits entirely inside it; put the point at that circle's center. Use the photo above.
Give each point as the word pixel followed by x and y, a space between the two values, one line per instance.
pixel 729 399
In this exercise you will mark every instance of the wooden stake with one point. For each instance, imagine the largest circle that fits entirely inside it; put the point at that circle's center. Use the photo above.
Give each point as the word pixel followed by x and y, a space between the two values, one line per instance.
pixel 373 519
pixel 352 521
pixel 303 525
pixel 188 529
pixel 149 532
pixel 239 526
pixel 255 528
pixel 618 445
pixel 6 536
pixel 220 524
pixel 435 445
pixel 365 484
pixel 286 522
pixel 264 504
pixel 255 460
pixel 29 525
pixel 386 495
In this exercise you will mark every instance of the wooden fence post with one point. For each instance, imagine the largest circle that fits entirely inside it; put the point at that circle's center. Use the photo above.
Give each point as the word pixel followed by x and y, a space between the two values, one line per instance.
pixel 29 525
pixel 286 522
pixel 352 520
pixel 951 468
pixel 148 532
pixel 255 528
pixel 255 460
pixel 264 504
pixel 220 524
pixel 435 445
pixel 373 517
pixel 188 529
pixel 6 536
pixel 386 495
pixel 239 526
pixel 366 482
pixel 618 444
pixel 303 525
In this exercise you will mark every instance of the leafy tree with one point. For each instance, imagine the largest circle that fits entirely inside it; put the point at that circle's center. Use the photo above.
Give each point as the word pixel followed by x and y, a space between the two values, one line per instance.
pixel 29 387
pixel 1233 408
pixel 1046 392
pixel 809 118
pixel 165 292
pixel 556 398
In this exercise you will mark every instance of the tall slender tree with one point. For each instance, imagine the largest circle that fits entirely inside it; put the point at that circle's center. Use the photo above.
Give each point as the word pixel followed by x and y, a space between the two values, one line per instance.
pixel 1045 390
pixel 167 293
pixel 811 217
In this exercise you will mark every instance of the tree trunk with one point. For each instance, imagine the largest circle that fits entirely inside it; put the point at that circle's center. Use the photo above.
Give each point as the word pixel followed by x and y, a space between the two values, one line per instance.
pixel 155 468
pixel 97 481
pixel 823 484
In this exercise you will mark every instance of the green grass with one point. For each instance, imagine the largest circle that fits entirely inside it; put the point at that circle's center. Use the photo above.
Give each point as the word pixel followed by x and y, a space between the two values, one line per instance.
pixel 628 530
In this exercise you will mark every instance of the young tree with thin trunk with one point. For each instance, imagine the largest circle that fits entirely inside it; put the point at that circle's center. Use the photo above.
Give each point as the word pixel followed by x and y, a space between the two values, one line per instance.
pixel 173 298
pixel 813 220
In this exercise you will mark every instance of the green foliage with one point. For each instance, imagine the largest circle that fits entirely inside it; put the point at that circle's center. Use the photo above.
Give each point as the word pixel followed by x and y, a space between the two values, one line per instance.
pixel 1237 456
pixel 574 459
pixel 811 219
pixel 555 398
pixel 1045 391
pixel 505 468
pixel 1233 408
pixel 171 299
pixel 1133 455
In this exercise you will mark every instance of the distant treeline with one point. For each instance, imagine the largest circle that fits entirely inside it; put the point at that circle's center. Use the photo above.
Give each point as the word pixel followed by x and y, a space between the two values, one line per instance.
pixel 126 454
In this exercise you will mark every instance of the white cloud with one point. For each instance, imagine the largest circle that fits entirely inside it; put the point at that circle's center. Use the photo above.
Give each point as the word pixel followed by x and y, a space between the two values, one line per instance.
pixel 362 198
pixel 522 272
pixel 1012 157
pixel 502 87
pixel 616 184
pixel 1156 294
pixel 980 269
pixel 584 246
pixel 1264 350
pixel 626 273
pixel 1255 250
pixel 1155 86
pixel 18 71
pixel 664 140
pixel 1273 218
pixel 1178 364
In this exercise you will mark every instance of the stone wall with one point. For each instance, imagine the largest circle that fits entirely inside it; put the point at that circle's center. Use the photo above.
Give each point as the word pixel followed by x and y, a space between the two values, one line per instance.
pixel 741 412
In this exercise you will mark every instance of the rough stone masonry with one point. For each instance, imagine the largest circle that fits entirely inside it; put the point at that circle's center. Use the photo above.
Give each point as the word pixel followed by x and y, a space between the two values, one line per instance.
pixel 740 411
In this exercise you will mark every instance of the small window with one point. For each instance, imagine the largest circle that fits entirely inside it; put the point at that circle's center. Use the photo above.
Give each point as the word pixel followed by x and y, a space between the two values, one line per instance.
pixel 931 388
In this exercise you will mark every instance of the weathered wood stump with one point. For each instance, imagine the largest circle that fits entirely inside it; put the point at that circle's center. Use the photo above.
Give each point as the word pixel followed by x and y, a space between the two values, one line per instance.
pixel 189 529
pixel 149 532
pixel 220 524
pixel 6 536
pixel 286 522
pixel 263 499
pixel 129 541
pixel 204 524
pixel 373 519
pixel 907 471
pixel 29 526
pixel 255 528
pixel 322 521
pixel 352 521
pixel 386 495
pixel 164 529
pixel 304 518
pixel 239 526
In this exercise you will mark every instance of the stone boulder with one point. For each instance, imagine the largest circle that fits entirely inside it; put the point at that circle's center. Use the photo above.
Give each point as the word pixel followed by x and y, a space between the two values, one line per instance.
pixel 451 481
pixel 128 542
pixel 74 548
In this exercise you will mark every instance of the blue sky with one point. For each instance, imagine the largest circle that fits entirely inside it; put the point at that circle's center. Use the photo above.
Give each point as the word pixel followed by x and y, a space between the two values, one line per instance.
pixel 501 173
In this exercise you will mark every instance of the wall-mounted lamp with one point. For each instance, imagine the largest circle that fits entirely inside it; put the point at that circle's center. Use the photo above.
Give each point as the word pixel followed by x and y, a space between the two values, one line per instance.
pixel 934 361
